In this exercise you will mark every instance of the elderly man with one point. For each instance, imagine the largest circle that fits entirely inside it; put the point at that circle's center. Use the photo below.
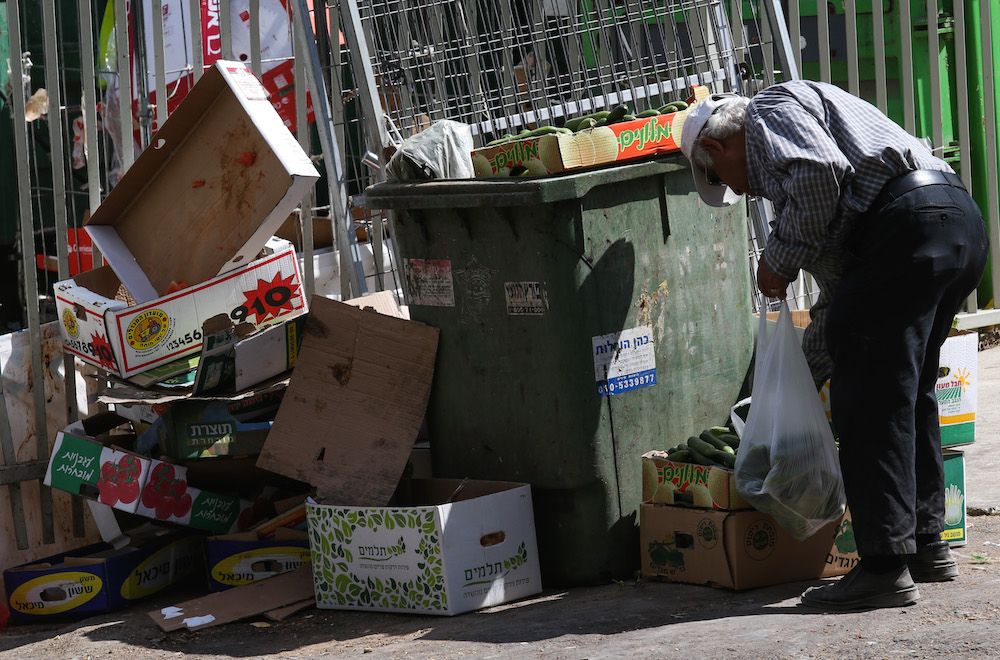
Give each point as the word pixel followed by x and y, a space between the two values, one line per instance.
pixel 896 244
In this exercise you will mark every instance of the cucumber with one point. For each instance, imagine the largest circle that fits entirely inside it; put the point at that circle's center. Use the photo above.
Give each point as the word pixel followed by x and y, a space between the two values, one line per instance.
pixel 699 445
pixel 682 455
pixel 506 138
pixel 673 106
pixel 546 130
pixel 597 116
pixel 717 431
pixel 696 456
pixel 574 123
pixel 617 113
pixel 648 113
pixel 709 437
pixel 731 439
pixel 728 460
pixel 587 122
pixel 627 117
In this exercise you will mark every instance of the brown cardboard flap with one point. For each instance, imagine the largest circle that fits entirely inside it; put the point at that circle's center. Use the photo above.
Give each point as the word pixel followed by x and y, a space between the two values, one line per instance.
pixel 272 593
pixel 354 404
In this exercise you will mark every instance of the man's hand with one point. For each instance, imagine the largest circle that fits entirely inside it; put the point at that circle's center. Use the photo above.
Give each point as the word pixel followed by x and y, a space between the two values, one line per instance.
pixel 770 284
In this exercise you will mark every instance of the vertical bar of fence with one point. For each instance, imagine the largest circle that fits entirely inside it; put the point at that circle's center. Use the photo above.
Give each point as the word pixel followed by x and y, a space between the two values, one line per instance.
pixel 159 65
pixel 354 283
pixel 302 130
pixel 225 29
pixel 197 40
pixel 906 67
pixel 823 39
pixel 122 53
pixel 253 9
pixel 964 130
pixel 989 106
pixel 853 71
pixel 27 235
pixel 934 65
pixel 878 39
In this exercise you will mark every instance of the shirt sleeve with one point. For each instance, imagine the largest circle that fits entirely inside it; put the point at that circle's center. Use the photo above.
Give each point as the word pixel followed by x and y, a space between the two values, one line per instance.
pixel 801 154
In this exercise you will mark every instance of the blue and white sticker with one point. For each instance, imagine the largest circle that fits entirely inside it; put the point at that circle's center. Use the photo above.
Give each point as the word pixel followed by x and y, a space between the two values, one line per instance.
pixel 625 360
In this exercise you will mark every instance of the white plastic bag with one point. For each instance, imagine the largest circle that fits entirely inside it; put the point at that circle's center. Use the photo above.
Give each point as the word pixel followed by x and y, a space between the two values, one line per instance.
pixel 441 151
pixel 787 464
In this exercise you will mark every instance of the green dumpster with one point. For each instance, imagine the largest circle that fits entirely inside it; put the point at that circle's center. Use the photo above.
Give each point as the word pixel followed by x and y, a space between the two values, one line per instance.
pixel 585 319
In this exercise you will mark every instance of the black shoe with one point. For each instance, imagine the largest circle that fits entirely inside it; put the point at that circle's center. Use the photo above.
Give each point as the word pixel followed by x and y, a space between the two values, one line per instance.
pixel 863 590
pixel 932 563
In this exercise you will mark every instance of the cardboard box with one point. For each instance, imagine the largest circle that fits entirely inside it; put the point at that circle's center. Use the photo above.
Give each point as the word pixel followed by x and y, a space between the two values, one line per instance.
pixel 100 578
pixel 442 549
pixel 738 549
pixel 238 559
pixel 201 429
pixel 957 388
pixel 154 489
pixel 126 340
pixel 560 152
pixel 716 484
pixel 223 173
pixel 954 499
pixel 234 358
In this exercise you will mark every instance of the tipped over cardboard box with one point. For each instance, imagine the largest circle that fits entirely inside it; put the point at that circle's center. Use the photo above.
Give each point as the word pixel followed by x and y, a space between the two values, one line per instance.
pixel 219 178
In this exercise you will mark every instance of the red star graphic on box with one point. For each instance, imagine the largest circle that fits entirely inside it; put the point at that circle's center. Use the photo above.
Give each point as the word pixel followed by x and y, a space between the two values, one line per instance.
pixel 102 350
pixel 269 298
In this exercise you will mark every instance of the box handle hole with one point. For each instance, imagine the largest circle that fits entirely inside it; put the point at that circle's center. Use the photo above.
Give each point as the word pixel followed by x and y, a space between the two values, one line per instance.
pixel 683 541
pixel 51 594
pixel 493 538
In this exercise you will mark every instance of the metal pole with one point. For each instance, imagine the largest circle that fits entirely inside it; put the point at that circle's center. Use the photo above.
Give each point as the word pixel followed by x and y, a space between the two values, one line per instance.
pixel 786 56
pixel 331 154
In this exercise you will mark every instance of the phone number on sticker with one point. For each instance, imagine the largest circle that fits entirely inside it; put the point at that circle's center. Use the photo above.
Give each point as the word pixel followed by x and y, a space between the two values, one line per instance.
pixel 188 338
pixel 626 383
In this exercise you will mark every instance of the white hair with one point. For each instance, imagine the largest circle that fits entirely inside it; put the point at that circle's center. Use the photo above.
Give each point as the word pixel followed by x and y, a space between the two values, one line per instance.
pixel 725 122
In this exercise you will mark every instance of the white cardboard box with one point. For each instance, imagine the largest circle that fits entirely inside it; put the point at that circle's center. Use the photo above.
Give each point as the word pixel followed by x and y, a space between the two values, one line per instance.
pixel 434 557
pixel 220 177
pixel 125 340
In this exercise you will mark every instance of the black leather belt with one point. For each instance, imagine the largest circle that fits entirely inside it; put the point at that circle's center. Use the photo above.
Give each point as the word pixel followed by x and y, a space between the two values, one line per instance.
pixel 904 183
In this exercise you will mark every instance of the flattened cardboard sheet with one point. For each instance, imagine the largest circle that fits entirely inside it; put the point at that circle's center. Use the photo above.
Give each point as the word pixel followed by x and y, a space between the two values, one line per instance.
pixel 354 404
pixel 255 598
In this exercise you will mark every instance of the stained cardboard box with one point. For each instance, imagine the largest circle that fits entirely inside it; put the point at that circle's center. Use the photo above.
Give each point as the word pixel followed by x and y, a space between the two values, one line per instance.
pixel 127 339
pixel 101 578
pixel 663 478
pixel 223 173
pixel 238 559
pixel 738 549
pixel 954 500
pixel 442 548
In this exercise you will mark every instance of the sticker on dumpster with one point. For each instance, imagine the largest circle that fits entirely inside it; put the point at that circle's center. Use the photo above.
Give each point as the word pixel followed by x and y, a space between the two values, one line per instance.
pixel 624 360
pixel 429 282
pixel 475 284
pixel 526 298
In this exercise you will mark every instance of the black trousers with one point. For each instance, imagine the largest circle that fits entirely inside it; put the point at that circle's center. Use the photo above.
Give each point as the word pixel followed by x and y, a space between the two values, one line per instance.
pixel 912 264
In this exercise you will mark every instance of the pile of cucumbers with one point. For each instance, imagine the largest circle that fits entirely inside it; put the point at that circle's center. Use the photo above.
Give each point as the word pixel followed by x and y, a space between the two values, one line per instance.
pixel 716 445
pixel 620 113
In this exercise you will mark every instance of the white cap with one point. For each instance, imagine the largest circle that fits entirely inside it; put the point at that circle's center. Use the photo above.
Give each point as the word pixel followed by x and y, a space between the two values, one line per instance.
pixel 694 121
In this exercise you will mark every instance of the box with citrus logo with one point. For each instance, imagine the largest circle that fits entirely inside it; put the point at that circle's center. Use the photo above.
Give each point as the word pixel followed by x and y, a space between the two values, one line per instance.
pixel 738 549
pixel 100 326
pixel 100 577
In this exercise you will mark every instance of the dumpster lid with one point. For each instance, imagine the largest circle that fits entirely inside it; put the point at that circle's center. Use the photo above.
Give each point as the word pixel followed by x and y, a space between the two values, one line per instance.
pixel 520 191
pixel 354 405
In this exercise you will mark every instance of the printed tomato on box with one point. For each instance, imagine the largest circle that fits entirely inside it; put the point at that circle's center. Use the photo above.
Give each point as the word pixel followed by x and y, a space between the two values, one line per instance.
pixel 82 467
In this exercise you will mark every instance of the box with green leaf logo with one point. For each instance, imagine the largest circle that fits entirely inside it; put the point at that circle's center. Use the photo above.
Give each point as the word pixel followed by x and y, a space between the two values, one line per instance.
pixel 442 546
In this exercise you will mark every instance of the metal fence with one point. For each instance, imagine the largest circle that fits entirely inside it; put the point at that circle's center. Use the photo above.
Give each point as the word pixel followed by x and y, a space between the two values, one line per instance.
pixel 89 82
